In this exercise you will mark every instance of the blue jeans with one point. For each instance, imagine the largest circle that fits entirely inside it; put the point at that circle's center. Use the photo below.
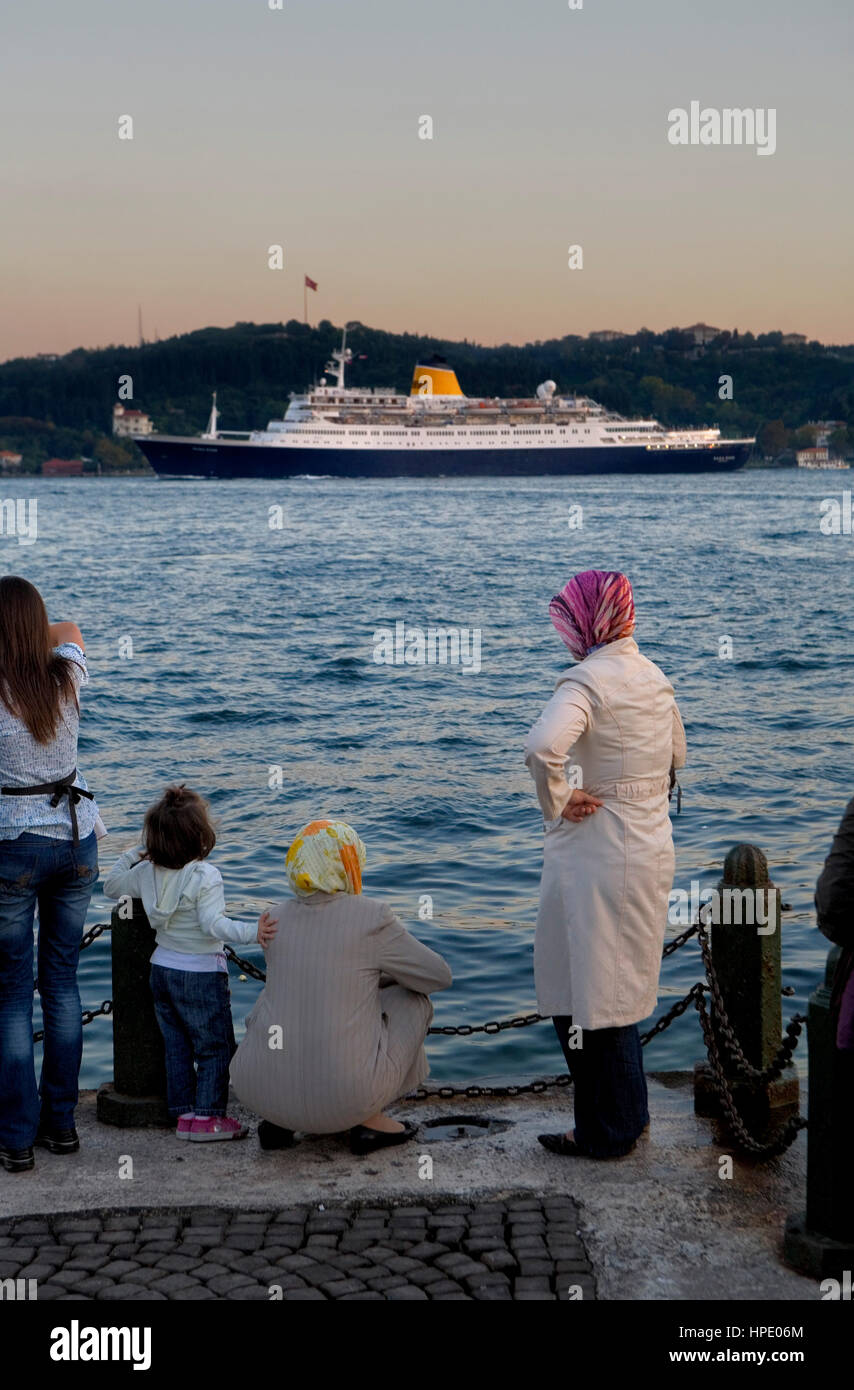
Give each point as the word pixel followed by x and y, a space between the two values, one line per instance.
pixel 35 869
pixel 193 1009
pixel 610 1087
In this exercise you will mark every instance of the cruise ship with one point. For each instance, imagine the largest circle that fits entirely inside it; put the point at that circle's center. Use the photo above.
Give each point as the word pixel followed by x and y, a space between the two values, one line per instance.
pixel 339 431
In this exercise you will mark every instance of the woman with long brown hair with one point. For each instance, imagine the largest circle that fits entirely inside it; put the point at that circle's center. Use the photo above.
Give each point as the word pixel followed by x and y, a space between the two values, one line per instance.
pixel 49 859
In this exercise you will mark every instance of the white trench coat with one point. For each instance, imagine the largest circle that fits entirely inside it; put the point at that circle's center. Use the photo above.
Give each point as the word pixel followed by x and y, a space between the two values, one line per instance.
pixel 606 879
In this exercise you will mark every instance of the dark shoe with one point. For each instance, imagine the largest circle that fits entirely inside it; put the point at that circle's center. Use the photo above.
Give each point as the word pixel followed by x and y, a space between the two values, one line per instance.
pixel 272 1136
pixel 367 1141
pixel 567 1148
pixel 17 1160
pixel 58 1141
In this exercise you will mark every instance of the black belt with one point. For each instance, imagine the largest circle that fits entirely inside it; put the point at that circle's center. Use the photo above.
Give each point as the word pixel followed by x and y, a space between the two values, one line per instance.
pixel 63 786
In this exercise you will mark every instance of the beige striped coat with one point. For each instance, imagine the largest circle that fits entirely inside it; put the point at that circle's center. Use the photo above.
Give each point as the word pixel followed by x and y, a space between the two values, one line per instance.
pixel 338 1031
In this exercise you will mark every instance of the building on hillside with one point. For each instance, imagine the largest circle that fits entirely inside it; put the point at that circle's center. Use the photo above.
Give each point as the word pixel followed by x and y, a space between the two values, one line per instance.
pixel 702 333
pixel 794 339
pixel 62 468
pixel 130 422
pixel 606 335
pixel 9 462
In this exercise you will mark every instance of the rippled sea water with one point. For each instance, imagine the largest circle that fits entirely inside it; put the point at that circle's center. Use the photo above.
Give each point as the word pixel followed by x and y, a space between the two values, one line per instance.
pixel 252 650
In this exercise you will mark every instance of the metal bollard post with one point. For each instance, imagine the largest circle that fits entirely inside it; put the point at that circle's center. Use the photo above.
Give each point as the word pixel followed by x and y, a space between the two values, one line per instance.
pixel 747 960
pixel 136 1096
pixel 820 1241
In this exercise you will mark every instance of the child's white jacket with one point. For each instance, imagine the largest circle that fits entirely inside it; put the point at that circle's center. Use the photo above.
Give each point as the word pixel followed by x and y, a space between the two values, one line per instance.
pixel 186 907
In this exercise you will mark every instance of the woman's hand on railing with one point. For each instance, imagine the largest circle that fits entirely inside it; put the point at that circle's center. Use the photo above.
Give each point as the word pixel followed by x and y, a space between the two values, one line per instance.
pixel 580 805
pixel 266 929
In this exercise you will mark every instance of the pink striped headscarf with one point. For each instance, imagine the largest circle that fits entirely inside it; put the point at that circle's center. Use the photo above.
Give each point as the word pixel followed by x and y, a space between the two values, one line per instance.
pixel 595 607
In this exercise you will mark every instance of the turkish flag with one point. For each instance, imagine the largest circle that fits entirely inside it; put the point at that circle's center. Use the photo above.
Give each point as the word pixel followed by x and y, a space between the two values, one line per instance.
pixel 310 284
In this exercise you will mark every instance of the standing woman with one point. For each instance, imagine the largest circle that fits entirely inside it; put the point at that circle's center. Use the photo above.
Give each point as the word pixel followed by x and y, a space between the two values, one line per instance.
pixel 608 858
pixel 49 858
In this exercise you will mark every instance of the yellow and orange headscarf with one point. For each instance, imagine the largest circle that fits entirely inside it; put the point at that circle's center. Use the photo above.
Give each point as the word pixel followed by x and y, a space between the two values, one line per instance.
pixel 326 856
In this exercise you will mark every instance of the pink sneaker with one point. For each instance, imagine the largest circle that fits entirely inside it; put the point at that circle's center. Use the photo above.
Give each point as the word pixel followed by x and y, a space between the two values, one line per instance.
pixel 207 1127
pixel 185 1122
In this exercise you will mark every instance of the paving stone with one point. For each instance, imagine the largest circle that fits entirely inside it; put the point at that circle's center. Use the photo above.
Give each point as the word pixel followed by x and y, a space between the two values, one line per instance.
pixel 493 1293
pixel 407 1293
pixel 498 1259
pixel 443 1288
pixel 340 1288
pixel 526 1282
pixel 93 1285
pixel 197 1294
pixel 246 1243
pixel 532 1296
pixel 90 1263
pixel 425 1276
pixel 296 1264
pixel 224 1283
pixel 386 1281
pixel 39 1270
pixel 32 1225
pixel 16 1256
pixel 177 1264
pixel 141 1276
pixel 476 1245
pixel 170 1283
pixel 326 1224
pixel 121 1293
pixel 535 1267
pixel 300 1295
pixel 319 1274
pixel 206 1270
pixel 322 1241
pixel 369 1296
pixel 402 1264
pixel 457 1265
pixel 114 1268
pixel 68 1277
pixel 50 1291
pixel 251 1293
pixel 379 1254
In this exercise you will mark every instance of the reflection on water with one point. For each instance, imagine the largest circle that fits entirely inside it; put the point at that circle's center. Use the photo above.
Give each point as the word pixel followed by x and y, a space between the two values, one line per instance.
pixel 252 679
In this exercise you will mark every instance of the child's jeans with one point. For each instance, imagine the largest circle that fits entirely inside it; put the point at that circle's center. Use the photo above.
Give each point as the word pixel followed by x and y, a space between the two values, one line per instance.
pixel 193 1010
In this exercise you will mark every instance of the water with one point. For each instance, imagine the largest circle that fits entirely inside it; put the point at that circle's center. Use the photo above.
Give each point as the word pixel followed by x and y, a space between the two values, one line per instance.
pixel 252 649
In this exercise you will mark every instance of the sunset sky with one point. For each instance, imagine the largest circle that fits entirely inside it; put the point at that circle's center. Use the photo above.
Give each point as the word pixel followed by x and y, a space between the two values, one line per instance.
pixel 299 126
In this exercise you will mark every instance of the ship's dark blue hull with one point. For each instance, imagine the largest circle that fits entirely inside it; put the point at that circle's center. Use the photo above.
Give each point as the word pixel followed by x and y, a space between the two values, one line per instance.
pixel 193 458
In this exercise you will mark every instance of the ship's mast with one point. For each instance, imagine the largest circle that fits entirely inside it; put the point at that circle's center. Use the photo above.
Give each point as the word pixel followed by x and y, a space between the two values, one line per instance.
pixel 210 432
pixel 340 358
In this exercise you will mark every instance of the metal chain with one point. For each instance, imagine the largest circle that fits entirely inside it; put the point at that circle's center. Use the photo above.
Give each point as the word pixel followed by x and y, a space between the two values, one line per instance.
pixel 725 1030
pixel 246 965
pixel 93 933
pixel 88 1016
pixel 675 1012
pixel 535 1087
pixel 789 1132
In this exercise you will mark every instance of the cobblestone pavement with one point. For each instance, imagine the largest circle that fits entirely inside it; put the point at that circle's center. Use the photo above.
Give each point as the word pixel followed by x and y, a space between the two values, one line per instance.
pixel 521 1248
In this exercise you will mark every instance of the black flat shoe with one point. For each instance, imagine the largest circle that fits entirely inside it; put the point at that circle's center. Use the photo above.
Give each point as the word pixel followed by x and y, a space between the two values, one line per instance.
pixel 567 1148
pixel 17 1160
pixel 272 1136
pixel 58 1141
pixel 367 1141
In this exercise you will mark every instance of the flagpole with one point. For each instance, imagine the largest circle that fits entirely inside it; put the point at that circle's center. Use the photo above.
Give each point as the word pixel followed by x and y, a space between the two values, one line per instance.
pixel 304 301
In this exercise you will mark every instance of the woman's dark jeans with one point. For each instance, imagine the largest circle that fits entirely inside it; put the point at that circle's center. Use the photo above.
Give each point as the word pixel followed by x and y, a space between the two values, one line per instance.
pixel 610 1087
pixel 59 878
pixel 193 1009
